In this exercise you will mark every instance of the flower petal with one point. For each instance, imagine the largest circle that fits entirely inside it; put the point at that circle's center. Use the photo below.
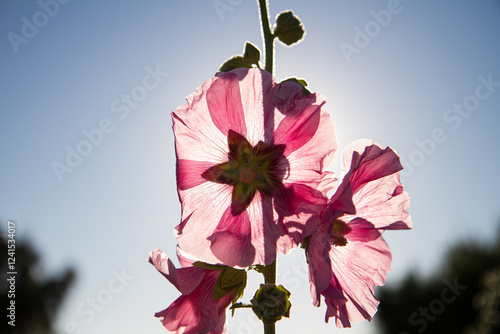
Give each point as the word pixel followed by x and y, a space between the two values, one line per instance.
pixel 196 312
pixel 297 128
pixel 189 278
pixel 196 136
pixel 376 203
pixel 267 229
pixel 184 279
pixel 297 198
pixel 231 240
pixel 320 274
pixel 362 231
pixel 308 161
pixel 370 164
pixel 164 265
pixel 345 311
pixel 224 104
pixel 257 89
pixel 378 194
pixel 189 173
pixel 340 203
pixel 203 207
pixel 224 303
pixel 358 267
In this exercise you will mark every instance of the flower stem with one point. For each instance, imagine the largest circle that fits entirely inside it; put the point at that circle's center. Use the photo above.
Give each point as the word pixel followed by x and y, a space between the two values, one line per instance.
pixel 270 328
pixel 270 273
pixel 269 270
pixel 268 36
pixel 270 278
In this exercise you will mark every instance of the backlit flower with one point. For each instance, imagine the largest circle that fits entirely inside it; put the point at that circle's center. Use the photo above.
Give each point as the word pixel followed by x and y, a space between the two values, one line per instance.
pixel 207 291
pixel 347 255
pixel 249 153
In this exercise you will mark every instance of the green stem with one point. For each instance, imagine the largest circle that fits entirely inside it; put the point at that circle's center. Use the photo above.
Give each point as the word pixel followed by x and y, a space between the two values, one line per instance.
pixel 270 278
pixel 268 36
pixel 270 328
pixel 270 273
pixel 240 305
pixel 270 270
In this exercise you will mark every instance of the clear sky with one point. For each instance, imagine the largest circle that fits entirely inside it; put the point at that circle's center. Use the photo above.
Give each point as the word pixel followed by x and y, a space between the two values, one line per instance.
pixel 424 79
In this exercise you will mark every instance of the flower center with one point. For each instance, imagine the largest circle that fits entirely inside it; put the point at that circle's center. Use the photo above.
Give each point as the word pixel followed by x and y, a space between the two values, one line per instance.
pixel 246 175
pixel 249 169
pixel 340 229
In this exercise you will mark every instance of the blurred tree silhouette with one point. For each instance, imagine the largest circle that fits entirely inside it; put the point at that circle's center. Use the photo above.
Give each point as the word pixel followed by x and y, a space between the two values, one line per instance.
pixel 462 297
pixel 37 299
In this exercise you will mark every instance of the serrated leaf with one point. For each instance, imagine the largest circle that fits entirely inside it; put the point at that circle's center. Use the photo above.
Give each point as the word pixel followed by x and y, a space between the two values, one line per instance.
pixel 219 292
pixel 251 54
pixel 234 62
pixel 288 28
pixel 232 277
pixel 228 280
pixel 239 290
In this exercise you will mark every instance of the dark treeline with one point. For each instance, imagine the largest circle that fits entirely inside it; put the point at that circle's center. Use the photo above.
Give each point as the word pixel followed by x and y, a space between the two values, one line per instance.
pixel 30 299
pixel 461 297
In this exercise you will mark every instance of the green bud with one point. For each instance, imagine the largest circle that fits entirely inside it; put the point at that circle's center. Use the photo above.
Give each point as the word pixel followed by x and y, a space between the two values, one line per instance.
pixel 251 54
pixel 288 28
pixel 270 303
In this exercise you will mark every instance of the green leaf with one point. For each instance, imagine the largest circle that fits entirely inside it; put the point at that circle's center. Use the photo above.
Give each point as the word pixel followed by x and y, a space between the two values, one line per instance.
pixel 208 266
pixel 239 290
pixel 251 54
pixel 228 280
pixel 232 277
pixel 288 28
pixel 234 62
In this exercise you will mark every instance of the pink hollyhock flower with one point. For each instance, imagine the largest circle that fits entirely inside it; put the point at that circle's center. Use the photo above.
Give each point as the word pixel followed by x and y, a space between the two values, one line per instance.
pixel 347 255
pixel 205 297
pixel 249 153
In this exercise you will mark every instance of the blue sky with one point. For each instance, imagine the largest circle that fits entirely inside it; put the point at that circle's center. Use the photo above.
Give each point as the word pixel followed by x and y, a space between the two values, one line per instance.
pixel 425 81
